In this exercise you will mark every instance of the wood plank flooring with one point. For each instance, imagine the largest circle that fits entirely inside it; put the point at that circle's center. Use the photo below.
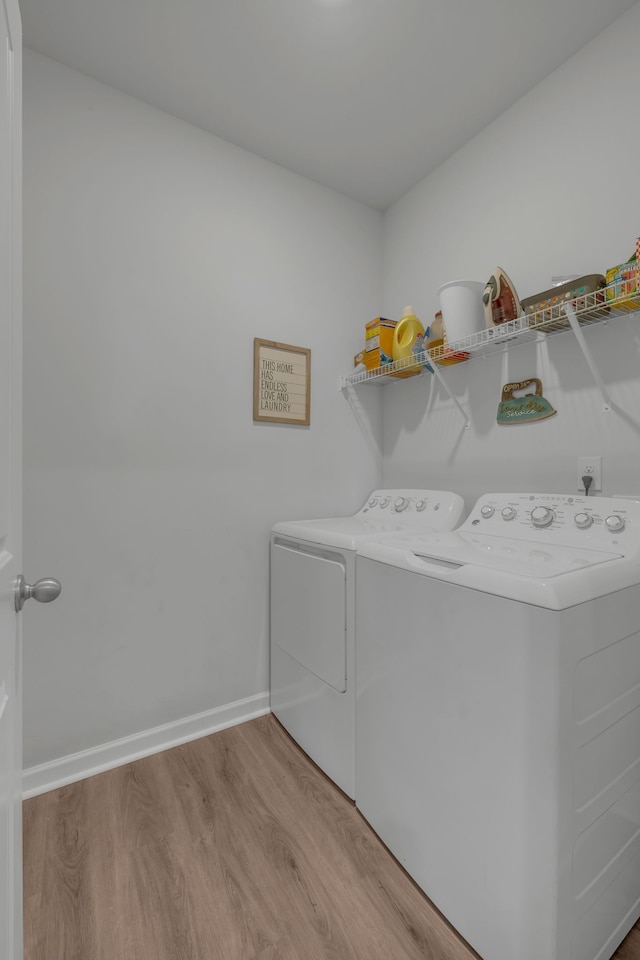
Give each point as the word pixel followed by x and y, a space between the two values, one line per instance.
pixel 232 847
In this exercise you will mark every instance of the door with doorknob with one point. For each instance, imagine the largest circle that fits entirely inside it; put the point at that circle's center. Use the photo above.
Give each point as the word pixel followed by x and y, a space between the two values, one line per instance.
pixel 14 591
pixel 10 483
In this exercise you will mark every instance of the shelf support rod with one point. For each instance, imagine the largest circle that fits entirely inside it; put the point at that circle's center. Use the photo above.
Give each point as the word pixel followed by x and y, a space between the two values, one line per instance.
pixel 443 383
pixel 579 335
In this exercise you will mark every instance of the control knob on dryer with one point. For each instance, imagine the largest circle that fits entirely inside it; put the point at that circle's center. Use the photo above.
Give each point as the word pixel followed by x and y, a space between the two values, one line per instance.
pixel 421 505
pixel 508 513
pixel 400 504
pixel 614 523
pixel 487 511
pixel 542 516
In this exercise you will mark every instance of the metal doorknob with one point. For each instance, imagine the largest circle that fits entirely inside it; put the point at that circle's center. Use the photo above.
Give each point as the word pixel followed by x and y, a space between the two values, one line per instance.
pixel 44 591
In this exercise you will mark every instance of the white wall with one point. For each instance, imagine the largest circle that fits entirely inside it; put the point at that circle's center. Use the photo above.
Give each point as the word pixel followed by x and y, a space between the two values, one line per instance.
pixel 153 255
pixel 548 189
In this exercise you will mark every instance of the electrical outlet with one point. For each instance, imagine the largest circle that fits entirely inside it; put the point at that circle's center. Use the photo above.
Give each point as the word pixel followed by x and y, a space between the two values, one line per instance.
pixel 590 467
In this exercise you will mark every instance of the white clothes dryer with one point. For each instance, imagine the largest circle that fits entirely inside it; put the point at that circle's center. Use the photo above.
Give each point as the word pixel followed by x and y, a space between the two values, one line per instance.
pixel 498 720
pixel 313 617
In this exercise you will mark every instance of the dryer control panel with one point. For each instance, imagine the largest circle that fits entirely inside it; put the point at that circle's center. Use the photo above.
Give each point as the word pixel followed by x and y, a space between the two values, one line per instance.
pixel 558 518
pixel 384 512
pixel 433 509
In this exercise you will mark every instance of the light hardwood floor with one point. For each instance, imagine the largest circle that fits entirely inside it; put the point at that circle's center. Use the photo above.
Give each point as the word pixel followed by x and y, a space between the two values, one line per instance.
pixel 232 847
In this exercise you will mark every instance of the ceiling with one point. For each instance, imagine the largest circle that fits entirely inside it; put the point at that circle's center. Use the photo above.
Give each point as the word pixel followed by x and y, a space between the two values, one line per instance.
pixel 365 96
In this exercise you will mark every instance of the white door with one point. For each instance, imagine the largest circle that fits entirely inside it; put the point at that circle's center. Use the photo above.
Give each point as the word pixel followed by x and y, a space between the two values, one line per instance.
pixel 10 480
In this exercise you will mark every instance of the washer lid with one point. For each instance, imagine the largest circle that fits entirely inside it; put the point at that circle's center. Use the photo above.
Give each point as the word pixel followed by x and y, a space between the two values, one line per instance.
pixel 505 554
pixel 535 573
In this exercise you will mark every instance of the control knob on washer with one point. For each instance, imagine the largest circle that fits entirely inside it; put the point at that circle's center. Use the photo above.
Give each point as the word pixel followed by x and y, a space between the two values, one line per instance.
pixel 421 505
pixel 583 520
pixel 385 502
pixel 487 511
pixel 400 504
pixel 373 501
pixel 508 513
pixel 542 516
pixel 614 523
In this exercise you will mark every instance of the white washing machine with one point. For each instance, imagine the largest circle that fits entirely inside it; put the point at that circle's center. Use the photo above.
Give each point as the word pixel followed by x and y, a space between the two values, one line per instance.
pixel 313 617
pixel 498 720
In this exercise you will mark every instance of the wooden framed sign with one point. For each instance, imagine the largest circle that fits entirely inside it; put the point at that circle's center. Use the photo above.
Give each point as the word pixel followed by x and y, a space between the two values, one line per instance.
pixel 281 383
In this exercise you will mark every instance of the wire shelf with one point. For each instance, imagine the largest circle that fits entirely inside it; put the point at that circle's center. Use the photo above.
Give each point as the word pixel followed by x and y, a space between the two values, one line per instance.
pixel 617 299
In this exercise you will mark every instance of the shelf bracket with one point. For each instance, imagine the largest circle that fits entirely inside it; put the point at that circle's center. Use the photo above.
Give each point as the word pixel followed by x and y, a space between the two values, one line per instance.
pixel 579 335
pixel 443 383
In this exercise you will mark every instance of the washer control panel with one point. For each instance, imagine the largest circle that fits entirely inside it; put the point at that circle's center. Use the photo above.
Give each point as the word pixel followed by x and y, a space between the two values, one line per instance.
pixel 558 518
pixel 413 508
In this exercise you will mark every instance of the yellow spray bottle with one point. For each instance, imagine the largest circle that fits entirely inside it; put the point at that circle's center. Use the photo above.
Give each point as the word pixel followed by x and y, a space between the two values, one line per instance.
pixel 408 336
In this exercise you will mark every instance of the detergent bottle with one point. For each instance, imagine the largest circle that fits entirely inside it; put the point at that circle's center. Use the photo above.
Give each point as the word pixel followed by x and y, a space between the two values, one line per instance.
pixel 408 337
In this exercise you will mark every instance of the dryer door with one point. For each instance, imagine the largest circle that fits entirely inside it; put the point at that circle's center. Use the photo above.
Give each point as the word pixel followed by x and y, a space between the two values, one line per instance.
pixel 308 609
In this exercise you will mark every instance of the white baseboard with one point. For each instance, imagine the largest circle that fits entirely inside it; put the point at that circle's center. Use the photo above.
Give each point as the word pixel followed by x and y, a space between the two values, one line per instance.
pixel 86 763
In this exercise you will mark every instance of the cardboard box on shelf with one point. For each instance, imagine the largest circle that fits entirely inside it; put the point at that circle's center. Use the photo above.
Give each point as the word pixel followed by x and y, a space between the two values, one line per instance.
pixel 623 282
pixel 378 343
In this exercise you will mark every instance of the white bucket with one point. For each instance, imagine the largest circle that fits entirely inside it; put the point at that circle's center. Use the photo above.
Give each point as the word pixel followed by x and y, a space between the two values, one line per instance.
pixel 462 308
